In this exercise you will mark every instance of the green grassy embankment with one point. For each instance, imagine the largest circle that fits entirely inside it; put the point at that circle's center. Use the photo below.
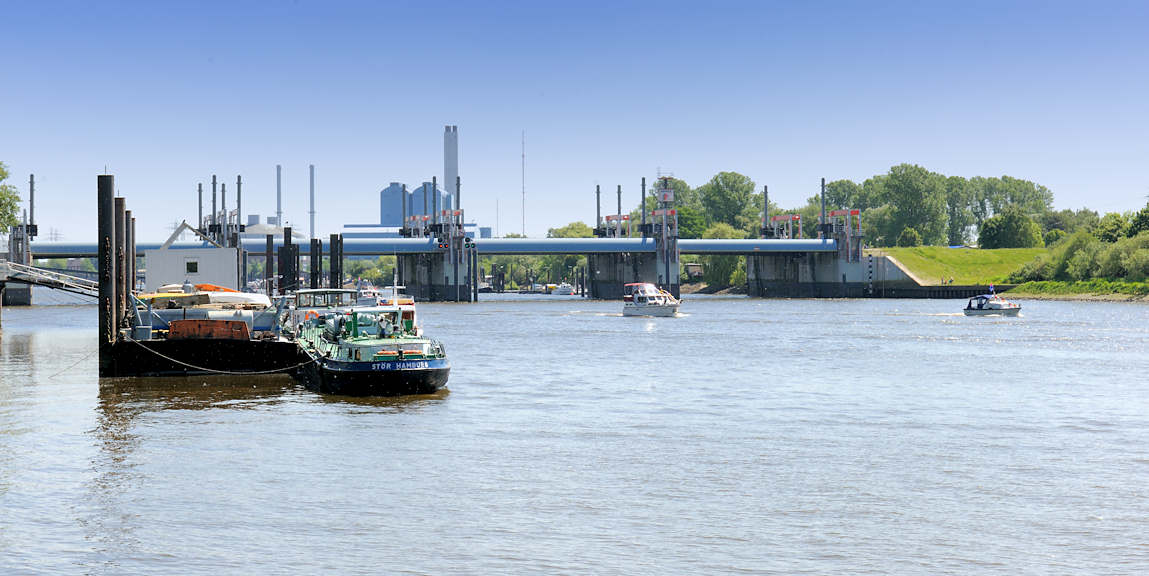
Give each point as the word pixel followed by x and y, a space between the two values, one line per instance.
pixel 1085 290
pixel 967 266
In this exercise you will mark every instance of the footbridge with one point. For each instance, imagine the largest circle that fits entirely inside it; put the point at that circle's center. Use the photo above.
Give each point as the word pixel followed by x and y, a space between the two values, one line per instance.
pixel 13 272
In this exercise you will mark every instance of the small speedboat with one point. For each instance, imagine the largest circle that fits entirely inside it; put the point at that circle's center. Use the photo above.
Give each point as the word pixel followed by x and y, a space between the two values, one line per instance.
pixel 991 305
pixel 564 289
pixel 646 299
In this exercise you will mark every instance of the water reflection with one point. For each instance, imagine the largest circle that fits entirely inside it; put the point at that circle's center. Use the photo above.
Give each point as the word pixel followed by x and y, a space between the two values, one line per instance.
pixel 191 392
pixel 386 404
pixel 117 474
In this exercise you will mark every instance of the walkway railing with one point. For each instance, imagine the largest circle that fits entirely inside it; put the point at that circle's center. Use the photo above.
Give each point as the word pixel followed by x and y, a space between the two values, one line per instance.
pixel 12 271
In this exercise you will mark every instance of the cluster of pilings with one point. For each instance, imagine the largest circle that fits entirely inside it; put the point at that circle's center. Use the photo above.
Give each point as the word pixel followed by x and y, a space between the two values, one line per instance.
pixel 117 267
pixel 282 266
pixel 607 274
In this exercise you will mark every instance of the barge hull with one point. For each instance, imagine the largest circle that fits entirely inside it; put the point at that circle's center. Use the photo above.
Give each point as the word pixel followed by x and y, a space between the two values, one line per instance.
pixel 202 357
pixel 329 377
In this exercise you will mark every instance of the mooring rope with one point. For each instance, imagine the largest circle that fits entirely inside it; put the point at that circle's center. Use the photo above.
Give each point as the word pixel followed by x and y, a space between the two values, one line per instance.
pixel 225 372
pixel 76 363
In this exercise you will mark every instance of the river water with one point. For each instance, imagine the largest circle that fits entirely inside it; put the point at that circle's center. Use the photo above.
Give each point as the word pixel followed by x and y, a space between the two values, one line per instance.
pixel 747 436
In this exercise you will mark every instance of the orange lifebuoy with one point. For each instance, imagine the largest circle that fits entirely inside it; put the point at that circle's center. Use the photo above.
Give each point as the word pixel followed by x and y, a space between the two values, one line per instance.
pixel 310 314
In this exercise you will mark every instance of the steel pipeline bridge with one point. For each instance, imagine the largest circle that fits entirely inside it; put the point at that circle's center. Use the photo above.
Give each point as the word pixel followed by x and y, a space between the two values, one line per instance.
pixel 487 246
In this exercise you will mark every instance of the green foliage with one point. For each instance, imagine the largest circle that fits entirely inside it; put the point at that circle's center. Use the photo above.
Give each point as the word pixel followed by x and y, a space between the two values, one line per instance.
pixel 1139 223
pixel 718 270
pixel 9 201
pixel 557 268
pixel 959 215
pixel 379 271
pixel 572 230
pixel 738 277
pixel 691 222
pixel 1054 236
pixel 992 195
pixel 1111 227
pixel 842 194
pixel 1010 229
pixel 909 237
pixel 917 198
pixel 684 195
pixel 1082 257
pixel 722 230
pixel 1089 287
pixel 726 196
pixel 1068 221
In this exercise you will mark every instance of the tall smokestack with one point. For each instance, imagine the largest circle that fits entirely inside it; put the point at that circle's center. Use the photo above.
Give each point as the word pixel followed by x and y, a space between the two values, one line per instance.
pixel 199 224
pixel 238 202
pixel 32 199
pixel 312 168
pixel 223 204
pixel 278 195
pixel 765 206
pixel 642 205
pixel 435 199
pixel 451 161
pixel 822 223
pixel 619 215
pixel 214 208
pixel 597 206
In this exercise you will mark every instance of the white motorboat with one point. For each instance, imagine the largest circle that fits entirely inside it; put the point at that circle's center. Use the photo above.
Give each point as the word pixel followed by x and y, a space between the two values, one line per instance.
pixel 564 289
pixel 646 299
pixel 991 305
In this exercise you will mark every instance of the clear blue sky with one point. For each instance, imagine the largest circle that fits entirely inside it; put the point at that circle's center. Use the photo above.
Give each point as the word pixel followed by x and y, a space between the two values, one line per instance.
pixel 165 94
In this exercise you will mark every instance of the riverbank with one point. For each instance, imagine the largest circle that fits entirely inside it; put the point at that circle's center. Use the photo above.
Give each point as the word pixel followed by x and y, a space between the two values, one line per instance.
pixel 937 265
pixel 704 288
pixel 1091 290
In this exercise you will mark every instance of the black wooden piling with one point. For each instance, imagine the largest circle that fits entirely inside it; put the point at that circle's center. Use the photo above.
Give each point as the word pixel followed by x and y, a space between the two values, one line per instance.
pixel 269 266
pixel 316 258
pixel 335 250
pixel 475 274
pixel 120 278
pixel 106 224
pixel 130 252
pixel 288 272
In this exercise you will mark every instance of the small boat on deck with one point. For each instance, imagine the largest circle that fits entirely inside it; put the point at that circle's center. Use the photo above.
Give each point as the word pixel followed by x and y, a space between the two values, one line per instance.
pixel 646 299
pixel 991 305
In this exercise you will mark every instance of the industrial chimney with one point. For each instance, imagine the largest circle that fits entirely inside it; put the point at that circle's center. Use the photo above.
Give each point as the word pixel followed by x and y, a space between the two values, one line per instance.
pixel 451 162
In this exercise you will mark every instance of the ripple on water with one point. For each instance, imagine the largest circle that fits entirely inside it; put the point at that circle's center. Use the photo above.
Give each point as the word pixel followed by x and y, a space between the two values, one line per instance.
pixel 745 436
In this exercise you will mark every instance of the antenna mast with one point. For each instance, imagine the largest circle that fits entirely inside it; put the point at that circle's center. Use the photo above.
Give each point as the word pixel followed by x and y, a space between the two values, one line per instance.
pixel 524 208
